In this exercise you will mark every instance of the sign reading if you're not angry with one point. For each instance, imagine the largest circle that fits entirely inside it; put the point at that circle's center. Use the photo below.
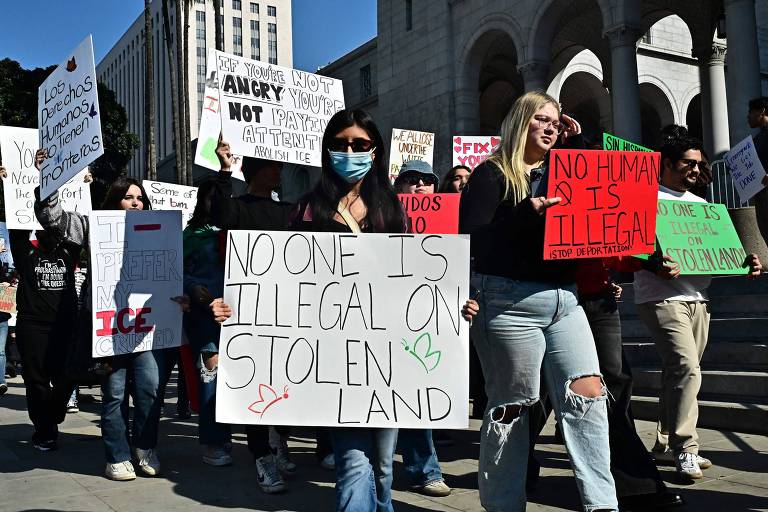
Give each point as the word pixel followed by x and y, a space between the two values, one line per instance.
pixel 345 330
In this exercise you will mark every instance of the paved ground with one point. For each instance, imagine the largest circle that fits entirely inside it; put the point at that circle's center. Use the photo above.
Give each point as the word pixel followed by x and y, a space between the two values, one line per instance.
pixel 71 479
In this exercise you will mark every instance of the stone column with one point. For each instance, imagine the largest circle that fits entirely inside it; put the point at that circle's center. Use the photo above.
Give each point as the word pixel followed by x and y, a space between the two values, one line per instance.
pixel 467 104
pixel 714 105
pixel 534 73
pixel 743 77
pixel 625 93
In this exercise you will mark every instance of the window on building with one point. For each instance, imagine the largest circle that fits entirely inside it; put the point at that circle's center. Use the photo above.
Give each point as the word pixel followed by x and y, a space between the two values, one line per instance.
pixel 255 40
pixel 254 8
pixel 365 82
pixel 237 5
pixel 646 37
pixel 237 36
pixel 408 14
pixel 272 42
pixel 271 10
pixel 200 2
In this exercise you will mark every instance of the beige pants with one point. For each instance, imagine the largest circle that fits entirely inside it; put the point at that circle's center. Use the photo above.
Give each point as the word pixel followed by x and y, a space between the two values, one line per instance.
pixel 680 331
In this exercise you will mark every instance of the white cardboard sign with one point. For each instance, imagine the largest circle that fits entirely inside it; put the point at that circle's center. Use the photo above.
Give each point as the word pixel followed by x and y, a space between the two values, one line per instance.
pixel 170 196
pixel 273 112
pixel 472 150
pixel 18 147
pixel 409 145
pixel 137 268
pixel 746 170
pixel 69 119
pixel 345 330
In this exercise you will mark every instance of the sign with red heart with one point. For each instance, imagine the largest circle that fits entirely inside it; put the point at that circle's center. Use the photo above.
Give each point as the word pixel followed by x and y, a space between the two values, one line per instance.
pixel 471 151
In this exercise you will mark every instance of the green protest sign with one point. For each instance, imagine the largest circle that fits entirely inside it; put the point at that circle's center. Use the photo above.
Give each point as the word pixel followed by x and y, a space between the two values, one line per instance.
pixel 614 143
pixel 700 237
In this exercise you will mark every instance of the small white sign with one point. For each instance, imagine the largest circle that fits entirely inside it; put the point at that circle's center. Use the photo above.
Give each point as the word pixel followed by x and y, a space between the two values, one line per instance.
pixel 409 145
pixel 170 196
pixel 747 172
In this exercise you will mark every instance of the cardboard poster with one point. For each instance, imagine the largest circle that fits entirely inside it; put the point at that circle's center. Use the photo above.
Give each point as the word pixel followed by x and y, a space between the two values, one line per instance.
pixel 608 205
pixel 409 145
pixel 747 171
pixel 69 119
pixel 700 237
pixel 18 146
pixel 435 214
pixel 138 266
pixel 170 196
pixel 471 151
pixel 348 330
pixel 8 299
pixel 273 112
pixel 210 125
pixel 614 143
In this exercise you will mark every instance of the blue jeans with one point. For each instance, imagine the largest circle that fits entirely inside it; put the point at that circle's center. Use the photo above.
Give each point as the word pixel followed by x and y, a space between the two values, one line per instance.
pixel 524 328
pixel 140 373
pixel 3 338
pixel 364 468
pixel 419 456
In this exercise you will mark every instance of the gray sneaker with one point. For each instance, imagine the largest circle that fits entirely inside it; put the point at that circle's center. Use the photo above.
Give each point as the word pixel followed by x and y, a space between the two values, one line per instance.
pixel 267 475
pixel 214 455
pixel 688 466
pixel 436 488
pixel 149 464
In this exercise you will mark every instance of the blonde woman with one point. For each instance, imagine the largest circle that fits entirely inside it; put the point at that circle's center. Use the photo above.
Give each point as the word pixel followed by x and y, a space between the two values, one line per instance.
pixel 530 326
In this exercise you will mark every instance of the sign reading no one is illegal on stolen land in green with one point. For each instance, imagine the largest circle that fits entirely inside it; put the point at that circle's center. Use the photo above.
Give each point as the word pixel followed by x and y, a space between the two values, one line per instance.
pixel 700 237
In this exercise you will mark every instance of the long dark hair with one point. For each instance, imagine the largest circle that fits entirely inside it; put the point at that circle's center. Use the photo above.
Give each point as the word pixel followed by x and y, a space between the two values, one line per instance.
pixel 445 187
pixel 117 192
pixel 385 214
pixel 202 214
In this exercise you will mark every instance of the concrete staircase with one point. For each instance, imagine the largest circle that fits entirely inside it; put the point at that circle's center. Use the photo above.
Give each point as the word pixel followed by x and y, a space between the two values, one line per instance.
pixel 734 390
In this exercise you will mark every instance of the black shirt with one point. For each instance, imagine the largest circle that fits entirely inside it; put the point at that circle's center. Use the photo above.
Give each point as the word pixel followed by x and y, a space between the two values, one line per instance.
pixel 247 211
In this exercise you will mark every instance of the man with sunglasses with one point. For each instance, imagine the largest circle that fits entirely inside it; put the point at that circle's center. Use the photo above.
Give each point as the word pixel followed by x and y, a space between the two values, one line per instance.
pixel 416 177
pixel 675 309
pixel 758 118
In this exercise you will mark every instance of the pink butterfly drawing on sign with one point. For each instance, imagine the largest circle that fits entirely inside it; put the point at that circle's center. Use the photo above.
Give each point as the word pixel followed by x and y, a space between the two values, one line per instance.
pixel 472 150
pixel 267 398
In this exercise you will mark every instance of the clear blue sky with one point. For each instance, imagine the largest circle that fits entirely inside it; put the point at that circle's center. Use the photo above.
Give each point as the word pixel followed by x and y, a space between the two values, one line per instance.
pixel 323 30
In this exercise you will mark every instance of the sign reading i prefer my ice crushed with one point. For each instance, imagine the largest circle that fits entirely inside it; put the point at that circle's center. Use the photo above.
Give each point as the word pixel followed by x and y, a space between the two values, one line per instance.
pixel 137 269
pixel 345 330
pixel 274 112
pixel 69 119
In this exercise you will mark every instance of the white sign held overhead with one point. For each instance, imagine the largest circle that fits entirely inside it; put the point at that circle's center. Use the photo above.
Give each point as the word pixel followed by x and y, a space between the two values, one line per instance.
pixel 274 112
pixel 747 172
pixel 345 330
pixel 69 119
pixel 138 267
pixel 170 196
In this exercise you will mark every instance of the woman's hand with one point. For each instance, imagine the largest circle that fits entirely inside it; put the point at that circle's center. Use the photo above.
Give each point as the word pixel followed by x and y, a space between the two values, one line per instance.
pixel 540 204
pixel 224 154
pixel 3 172
pixel 470 310
pixel 88 178
pixel 221 311
pixel 572 127
pixel 755 267
pixel 40 156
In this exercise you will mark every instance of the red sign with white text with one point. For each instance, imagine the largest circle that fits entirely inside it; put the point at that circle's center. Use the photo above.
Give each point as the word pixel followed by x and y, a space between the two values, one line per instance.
pixel 608 205
pixel 434 214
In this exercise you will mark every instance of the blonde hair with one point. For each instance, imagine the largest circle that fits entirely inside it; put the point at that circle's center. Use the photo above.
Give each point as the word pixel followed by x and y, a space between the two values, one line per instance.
pixel 508 157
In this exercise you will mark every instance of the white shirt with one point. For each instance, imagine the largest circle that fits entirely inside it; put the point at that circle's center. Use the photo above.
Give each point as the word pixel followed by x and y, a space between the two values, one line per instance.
pixel 651 288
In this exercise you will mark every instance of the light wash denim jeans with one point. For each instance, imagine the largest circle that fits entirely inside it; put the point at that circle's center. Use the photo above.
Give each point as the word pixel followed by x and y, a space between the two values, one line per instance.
pixel 523 328
pixel 419 456
pixel 145 368
pixel 364 468
pixel 3 338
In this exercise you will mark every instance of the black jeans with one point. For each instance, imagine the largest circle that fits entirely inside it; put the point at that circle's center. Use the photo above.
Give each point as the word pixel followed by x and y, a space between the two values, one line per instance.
pixel 43 349
pixel 258 438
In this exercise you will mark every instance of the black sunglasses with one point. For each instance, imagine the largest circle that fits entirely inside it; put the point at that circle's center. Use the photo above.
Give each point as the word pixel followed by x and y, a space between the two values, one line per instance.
pixel 358 145
pixel 414 179
pixel 690 163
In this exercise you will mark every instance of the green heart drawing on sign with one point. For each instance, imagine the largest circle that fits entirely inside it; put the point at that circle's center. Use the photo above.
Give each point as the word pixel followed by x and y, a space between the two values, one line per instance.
pixel 422 351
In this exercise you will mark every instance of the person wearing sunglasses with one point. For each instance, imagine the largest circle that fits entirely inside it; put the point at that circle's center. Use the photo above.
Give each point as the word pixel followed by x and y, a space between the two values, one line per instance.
pixel 416 177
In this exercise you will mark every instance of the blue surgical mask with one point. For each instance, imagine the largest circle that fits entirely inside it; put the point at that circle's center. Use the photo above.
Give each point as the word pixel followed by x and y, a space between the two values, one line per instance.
pixel 351 167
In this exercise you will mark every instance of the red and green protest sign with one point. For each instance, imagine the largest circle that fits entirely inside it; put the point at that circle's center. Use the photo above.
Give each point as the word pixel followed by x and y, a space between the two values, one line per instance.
pixel 700 237
pixel 435 214
pixel 608 205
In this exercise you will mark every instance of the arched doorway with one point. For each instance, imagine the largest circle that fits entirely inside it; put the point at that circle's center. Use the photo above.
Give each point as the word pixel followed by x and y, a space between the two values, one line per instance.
pixel 655 113
pixel 693 117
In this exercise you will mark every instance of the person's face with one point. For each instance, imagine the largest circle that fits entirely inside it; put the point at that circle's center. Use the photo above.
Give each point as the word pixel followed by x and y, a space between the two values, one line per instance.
pixel 132 200
pixel 268 177
pixel 415 183
pixel 543 130
pixel 459 179
pixel 755 117
pixel 683 174
pixel 353 139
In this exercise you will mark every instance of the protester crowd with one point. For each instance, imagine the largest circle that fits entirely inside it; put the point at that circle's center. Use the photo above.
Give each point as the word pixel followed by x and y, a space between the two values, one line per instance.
pixel 547 334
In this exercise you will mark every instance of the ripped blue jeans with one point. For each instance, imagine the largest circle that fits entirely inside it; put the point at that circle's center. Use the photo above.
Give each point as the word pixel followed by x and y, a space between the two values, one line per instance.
pixel 528 331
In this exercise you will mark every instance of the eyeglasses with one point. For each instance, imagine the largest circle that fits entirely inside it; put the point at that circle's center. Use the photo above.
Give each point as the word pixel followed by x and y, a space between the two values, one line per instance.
pixel 691 164
pixel 358 145
pixel 546 122
pixel 427 179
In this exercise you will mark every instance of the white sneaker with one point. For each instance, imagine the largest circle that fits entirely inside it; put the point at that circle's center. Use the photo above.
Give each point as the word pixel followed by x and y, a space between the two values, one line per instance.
pixel 149 464
pixel 688 466
pixel 268 476
pixel 328 462
pixel 704 463
pixel 436 488
pixel 216 456
pixel 72 406
pixel 120 471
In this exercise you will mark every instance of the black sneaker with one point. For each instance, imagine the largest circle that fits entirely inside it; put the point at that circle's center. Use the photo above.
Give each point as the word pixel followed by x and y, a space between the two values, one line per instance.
pixel 3 388
pixel 45 446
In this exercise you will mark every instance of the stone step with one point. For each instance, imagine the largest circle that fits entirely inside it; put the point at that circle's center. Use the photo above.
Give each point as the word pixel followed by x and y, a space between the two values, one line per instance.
pixel 725 306
pixel 719 328
pixel 732 416
pixel 720 286
pixel 741 355
pixel 752 384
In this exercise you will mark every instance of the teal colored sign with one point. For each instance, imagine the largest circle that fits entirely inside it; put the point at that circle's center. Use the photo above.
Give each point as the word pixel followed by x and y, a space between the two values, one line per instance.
pixel 700 237
pixel 614 143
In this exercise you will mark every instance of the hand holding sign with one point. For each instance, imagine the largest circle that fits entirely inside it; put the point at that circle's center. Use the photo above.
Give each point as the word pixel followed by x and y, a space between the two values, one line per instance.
pixel 540 204
pixel 755 267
